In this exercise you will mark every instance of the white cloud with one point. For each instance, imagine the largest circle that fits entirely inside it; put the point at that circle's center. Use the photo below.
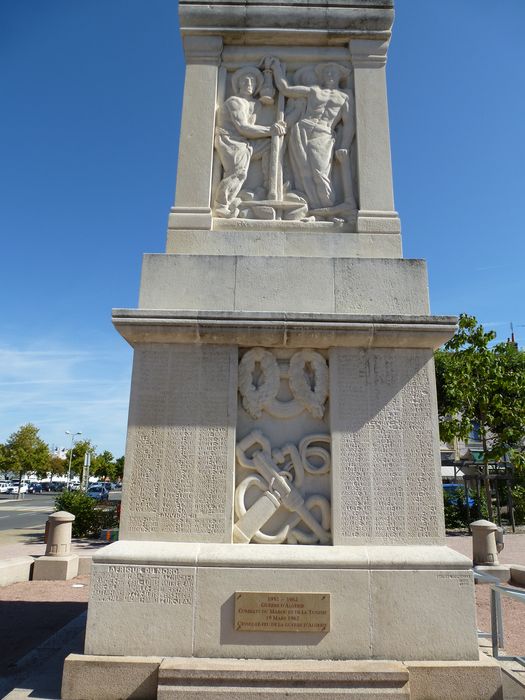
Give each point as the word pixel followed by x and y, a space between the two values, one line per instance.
pixel 62 388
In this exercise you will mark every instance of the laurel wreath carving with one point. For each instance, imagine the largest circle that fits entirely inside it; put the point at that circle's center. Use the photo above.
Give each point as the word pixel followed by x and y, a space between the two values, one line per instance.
pixel 254 398
pixel 312 398
pixel 307 376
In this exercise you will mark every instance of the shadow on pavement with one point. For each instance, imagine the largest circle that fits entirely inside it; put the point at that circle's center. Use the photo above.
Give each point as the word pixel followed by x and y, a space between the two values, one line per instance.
pixel 25 625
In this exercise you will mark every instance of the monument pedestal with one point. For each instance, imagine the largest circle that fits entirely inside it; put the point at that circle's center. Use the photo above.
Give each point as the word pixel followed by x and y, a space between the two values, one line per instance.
pixel 393 602
pixel 282 524
pixel 212 678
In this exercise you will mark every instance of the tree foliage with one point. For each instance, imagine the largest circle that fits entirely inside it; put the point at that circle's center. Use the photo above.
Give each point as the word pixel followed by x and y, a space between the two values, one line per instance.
pixel 3 460
pixel 90 518
pixel 25 451
pixel 484 384
pixel 79 452
pixel 119 468
pixel 57 466
pixel 103 464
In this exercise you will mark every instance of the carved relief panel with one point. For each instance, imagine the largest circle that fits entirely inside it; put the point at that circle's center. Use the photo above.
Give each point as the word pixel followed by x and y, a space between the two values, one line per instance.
pixel 283 456
pixel 284 139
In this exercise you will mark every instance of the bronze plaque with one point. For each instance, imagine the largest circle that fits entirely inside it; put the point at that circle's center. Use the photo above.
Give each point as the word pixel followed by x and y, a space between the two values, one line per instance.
pixel 282 612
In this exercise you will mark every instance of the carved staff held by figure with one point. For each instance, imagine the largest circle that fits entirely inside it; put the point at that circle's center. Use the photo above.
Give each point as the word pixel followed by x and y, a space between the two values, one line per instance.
pixel 275 178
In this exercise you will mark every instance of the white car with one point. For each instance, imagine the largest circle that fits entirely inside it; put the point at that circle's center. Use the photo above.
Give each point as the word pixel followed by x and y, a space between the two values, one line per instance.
pixel 6 487
pixel 24 486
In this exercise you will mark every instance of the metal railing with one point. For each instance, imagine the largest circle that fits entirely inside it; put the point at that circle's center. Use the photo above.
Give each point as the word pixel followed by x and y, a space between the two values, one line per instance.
pixel 496 617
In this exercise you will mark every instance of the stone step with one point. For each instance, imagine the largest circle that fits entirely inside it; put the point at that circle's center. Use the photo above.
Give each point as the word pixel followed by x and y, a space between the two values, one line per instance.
pixel 236 679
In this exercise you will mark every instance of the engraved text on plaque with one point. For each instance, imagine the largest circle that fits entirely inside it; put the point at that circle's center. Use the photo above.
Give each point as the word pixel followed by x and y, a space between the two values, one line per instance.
pixel 282 612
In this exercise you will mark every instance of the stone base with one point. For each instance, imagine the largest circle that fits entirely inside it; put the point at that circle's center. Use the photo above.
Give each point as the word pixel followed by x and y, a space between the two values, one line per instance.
pixel 285 240
pixel 84 565
pixel 55 568
pixel 517 575
pixel 500 571
pixel 455 680
pixel 110 677
pixel 182 679
pixel 391 602
pixel 15 569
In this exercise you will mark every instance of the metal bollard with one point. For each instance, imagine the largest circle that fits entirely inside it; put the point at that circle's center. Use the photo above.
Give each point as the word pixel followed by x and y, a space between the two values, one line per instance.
pixel 484 547
pixel 59 527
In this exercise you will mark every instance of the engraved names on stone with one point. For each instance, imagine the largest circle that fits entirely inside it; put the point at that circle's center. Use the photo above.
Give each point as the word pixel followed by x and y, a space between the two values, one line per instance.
pixel 385 481
pixel 181 443
pixel 167 585
pixel 282 612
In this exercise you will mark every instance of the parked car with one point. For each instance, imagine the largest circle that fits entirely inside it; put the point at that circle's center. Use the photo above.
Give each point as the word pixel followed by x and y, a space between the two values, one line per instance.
pixel 56 486
pixel 34 487
pixel 24 486
pixel 99 492
pixel 6 487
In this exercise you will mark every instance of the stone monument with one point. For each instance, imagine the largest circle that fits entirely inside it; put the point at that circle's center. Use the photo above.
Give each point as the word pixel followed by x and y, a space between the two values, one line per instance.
pixel 282 523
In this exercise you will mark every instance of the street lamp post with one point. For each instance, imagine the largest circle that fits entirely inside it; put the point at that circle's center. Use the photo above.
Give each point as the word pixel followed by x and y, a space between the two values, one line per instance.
pixel 73 435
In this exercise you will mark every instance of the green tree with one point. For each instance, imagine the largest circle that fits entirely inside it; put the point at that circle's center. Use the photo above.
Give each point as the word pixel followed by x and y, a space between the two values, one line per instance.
pixel 57 466
pixel 3 460
pixel 103 465
pixel 79 451
pixel 25 451
pixel 482 384
pixel 119 468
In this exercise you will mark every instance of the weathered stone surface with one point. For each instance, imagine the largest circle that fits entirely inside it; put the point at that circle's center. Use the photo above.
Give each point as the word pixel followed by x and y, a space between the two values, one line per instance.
pixel 284 284
pixel 455 680
pixel 383 600
pixel 192 678
pixel 385 447
pixel 284 238
pixel 55 568
pixel 298 17
pixel 110 677
pixel 282 330
pixel 179 454
pixel 15 569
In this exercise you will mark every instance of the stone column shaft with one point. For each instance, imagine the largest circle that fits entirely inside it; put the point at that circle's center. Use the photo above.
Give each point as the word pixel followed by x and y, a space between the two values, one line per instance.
pixel 193 192
pixel 376 198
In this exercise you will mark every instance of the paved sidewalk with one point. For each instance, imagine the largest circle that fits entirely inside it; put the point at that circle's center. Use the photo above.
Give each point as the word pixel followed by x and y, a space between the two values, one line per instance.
pixel 513 612
pixel 41 622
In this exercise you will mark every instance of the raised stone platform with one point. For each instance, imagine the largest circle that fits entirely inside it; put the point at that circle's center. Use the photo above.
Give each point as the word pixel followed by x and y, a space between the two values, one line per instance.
pixel 216 678
pixel 384 601
pixel 111 678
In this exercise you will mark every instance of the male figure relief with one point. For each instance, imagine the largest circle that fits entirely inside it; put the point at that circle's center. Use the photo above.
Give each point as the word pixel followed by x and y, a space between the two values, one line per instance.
pixel 238 139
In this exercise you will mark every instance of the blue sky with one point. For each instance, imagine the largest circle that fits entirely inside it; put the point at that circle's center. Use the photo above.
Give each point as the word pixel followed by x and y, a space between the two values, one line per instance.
pixel 91 93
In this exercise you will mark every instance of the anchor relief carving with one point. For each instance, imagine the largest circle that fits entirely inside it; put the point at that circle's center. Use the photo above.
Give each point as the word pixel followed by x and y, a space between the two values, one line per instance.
pixel 281 493
pixel 279 475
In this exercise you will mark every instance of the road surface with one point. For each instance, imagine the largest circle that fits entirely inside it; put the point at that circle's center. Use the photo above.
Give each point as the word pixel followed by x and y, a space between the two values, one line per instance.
pixel 24 519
